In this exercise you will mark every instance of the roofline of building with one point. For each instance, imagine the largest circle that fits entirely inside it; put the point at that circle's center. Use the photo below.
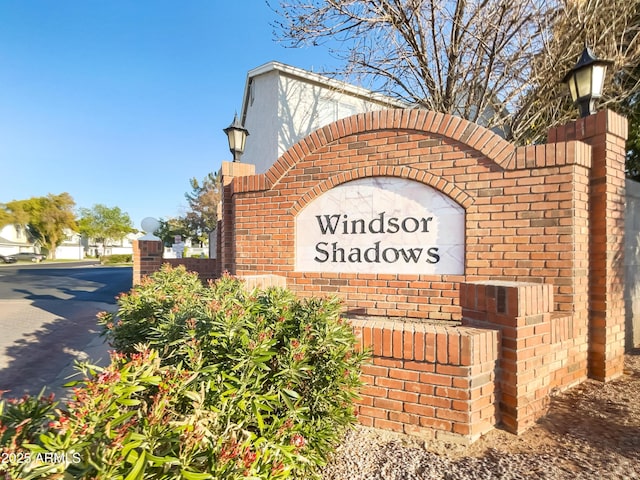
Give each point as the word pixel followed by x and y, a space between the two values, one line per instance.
pixel 6 241
pixel 317 79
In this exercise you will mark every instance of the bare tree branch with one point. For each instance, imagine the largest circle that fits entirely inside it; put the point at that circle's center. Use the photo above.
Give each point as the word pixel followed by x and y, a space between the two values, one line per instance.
pixel 496 62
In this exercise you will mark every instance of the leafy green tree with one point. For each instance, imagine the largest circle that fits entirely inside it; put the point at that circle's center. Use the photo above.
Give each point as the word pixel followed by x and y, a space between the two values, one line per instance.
pixel 172 227
pixel 5 217
pixel 105 224
pixel 202 217
pixel 45 218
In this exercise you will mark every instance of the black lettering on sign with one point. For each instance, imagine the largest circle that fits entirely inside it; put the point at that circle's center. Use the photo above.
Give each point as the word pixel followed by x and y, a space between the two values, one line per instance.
pixel 433 255
pixel 328 224
pixel 373 254
pixel 320 250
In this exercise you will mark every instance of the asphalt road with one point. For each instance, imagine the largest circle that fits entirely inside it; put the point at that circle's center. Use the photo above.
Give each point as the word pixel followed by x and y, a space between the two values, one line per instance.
pixel 48 321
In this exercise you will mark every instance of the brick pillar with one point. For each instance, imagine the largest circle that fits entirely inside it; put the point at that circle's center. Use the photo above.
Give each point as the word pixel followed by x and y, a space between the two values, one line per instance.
pixel 228 172
pixel 147 258
pixel 218 233
pixel 606 132
pixel 522 313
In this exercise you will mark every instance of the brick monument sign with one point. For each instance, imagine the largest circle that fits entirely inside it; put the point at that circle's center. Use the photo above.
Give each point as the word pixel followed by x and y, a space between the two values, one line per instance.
pixel 480 275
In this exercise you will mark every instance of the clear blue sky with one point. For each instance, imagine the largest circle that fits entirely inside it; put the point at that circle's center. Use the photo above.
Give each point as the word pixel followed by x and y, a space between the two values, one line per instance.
pixel 121 102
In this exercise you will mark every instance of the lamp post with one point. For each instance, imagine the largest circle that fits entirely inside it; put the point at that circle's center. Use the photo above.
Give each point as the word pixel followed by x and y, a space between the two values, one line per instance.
pixel 237 136
pixel 585 81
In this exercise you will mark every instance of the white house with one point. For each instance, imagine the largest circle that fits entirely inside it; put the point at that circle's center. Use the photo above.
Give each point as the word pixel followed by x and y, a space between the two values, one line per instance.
pixel 15 239
pixel 284 104
pixel 123 246
pixel 71 247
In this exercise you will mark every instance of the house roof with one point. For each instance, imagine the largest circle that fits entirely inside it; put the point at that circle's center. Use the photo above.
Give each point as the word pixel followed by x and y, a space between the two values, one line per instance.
pixel 5 241
pixel 317 79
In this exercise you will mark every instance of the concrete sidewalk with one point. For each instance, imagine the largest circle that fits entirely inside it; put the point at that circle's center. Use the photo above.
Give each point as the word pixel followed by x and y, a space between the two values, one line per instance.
pixel 41 340
pixel 96 352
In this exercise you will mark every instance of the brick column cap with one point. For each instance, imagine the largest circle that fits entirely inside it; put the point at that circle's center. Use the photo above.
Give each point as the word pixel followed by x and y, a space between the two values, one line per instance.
pixel 230 170
pixel 604 121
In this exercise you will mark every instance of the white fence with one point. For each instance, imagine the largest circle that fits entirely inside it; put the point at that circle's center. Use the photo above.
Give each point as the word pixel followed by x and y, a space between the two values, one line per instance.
pixel 632 264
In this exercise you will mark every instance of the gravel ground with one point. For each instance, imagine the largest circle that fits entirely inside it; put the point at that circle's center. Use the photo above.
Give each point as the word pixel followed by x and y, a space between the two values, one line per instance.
pixel 590 432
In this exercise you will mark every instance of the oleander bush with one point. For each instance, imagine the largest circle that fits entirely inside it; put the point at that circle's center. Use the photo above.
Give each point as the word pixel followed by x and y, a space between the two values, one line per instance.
pixel 136 419
pixel 21 421
pixel 209 382
pixel 153 305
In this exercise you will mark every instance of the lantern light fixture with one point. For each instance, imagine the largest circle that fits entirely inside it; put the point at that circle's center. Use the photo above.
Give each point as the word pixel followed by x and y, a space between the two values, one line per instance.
pixel 237 136
pixel 585 81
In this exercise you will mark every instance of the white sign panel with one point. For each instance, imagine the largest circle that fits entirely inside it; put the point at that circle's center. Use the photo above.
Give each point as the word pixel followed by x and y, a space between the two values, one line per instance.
pixel 381 225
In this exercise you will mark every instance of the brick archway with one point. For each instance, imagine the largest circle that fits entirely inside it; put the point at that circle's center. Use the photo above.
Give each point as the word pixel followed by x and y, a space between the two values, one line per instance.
pixel 505 191
pixel 483 141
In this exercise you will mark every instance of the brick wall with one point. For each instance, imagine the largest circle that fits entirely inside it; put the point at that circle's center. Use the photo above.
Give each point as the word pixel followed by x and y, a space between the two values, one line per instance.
pixel 206 268
pixel 147 259
pixel 428 380
pixel 539 349
pixel 541 299
pixel 525 209
pixel 457 383
pixel 227 224
pixel 606 133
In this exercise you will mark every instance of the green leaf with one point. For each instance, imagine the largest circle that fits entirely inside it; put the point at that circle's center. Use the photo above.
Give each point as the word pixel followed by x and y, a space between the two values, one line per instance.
pixel 138 469
pixel 258 415
pixel 162 460
pixel 122 418
pixel 291 393
pixel 226 376
pixel 195 476
pixel 195 396
pixel 128 451
pixel 288 402
pixel 263 406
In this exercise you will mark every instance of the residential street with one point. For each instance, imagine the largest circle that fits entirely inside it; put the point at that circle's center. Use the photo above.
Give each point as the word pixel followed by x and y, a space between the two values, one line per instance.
pixel 48 320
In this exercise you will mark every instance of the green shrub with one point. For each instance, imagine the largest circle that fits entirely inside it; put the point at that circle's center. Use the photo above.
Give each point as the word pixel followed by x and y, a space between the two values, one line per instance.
pixel 152 306
pixel 116 259
pixel 235 384
pixel 137 419
pixel 298 355
pixel 21 421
